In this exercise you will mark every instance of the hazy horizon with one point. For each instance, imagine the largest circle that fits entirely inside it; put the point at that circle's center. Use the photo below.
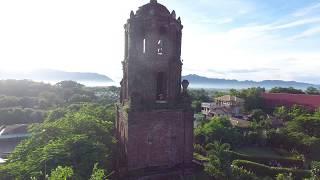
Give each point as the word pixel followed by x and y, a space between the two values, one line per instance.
pixel 234 39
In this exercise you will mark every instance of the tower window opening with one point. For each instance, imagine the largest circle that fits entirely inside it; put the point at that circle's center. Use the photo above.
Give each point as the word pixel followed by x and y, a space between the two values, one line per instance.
pixel 144 46
pixel 161 87
pixel 160 47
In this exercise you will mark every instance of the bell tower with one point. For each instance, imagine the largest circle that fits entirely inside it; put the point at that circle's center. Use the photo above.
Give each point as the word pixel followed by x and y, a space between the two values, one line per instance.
pixel 152 65
pixel 154 124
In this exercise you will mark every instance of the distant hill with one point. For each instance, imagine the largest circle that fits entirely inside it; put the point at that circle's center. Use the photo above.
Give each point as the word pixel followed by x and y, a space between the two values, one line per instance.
pixel 197 81
pixel 56 75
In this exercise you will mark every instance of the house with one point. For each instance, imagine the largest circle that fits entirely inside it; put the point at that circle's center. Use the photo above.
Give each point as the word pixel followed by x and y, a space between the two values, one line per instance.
pixel 272 100
pixel 10 137
pixel 223 106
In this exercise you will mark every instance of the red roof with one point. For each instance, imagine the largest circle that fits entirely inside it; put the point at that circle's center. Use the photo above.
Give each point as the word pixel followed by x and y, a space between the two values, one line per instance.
pixel 311 102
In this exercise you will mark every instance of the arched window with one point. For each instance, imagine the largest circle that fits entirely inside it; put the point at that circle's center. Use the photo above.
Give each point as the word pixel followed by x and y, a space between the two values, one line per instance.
pixel 160 47
pixel 161 86
pixel 144 46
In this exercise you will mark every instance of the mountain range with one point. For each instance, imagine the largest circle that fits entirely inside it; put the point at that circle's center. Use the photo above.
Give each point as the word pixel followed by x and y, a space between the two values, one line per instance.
pixel 48 75
pixel 197 81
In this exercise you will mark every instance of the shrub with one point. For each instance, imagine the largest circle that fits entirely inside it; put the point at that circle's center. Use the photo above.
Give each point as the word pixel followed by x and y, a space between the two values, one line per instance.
pixel 61 173
pixel 239 173
pixel 199 149
pixel 315 169
pixel 264 170
pixel 284 177
pixel 287 162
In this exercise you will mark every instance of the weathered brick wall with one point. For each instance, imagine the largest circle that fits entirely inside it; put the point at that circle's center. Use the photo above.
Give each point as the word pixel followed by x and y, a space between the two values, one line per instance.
pixel 121 135
pixel 159 138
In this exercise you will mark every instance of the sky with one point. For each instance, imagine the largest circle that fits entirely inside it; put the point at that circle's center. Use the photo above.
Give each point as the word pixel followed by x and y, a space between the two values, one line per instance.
pixel 231 39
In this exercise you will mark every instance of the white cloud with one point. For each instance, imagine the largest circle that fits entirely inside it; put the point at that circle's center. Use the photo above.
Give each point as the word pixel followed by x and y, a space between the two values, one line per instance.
pixel 296 23
pixel 307 10
pixel 307 33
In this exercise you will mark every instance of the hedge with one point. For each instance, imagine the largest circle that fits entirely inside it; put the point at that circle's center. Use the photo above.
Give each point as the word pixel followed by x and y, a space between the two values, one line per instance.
pixel 286 162
pixel 264 170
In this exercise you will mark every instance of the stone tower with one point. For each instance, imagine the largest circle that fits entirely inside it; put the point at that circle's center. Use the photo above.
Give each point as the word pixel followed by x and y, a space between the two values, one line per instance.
pixel 154 124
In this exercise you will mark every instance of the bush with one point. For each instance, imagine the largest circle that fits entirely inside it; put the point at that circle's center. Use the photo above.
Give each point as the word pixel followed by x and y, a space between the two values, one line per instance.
pixel 287 162
pixel 239 173
pixel 284 177
pixel 61 173
pixel 264 170
pixel 199 149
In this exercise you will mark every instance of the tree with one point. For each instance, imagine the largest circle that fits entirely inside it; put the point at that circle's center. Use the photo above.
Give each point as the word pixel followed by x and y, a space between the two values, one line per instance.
pixel 312 91
pixel 219 160
pixel 69 85
pixel 281 113
pixel 198 96
pixel 79 139
pixel 97 174
pixel 258 115
pixel 61 173
pixel 289 90
pixel 298 110
pixel 252 98
pixel 218 129
pixel 308 125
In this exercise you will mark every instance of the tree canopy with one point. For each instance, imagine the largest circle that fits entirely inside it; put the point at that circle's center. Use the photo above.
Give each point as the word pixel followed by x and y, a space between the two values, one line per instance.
pixel 78 139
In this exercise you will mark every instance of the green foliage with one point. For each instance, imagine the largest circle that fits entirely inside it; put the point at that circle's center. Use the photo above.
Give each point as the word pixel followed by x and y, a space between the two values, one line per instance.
pixel 239 173
pixel 199 149
pixel 264 170
pixel 218 129
pixel 61 173
pixel 297 110
pixel 97 174
pixel 107 95
pixel 315 170
pixel 219 160
pixel 9 116
pixel 282 113
pixel 308 125
pixel 312 91
pixel 258 115
pixel 23 88
pixel 302 134
pixel 198 96
pixel 289 90
pixel 78 139
pixel 27 102
pixel 69 85
pixel 252 97
pixel 77 98
pixel 284 177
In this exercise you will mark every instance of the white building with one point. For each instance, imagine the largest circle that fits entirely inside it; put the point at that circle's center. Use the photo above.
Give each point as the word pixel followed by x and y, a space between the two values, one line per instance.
pixel 223 106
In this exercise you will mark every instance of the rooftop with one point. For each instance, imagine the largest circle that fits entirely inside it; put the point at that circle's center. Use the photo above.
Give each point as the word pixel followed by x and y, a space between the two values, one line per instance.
pixel 228 98
pixel 14 129
pixel 286 99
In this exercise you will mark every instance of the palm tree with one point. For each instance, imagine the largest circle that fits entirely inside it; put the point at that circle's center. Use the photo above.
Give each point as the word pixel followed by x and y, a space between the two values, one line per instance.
pixel 219 160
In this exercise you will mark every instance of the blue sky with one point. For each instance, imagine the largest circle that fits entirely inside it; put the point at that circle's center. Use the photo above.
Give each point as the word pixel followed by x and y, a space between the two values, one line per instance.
pixel 233 39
